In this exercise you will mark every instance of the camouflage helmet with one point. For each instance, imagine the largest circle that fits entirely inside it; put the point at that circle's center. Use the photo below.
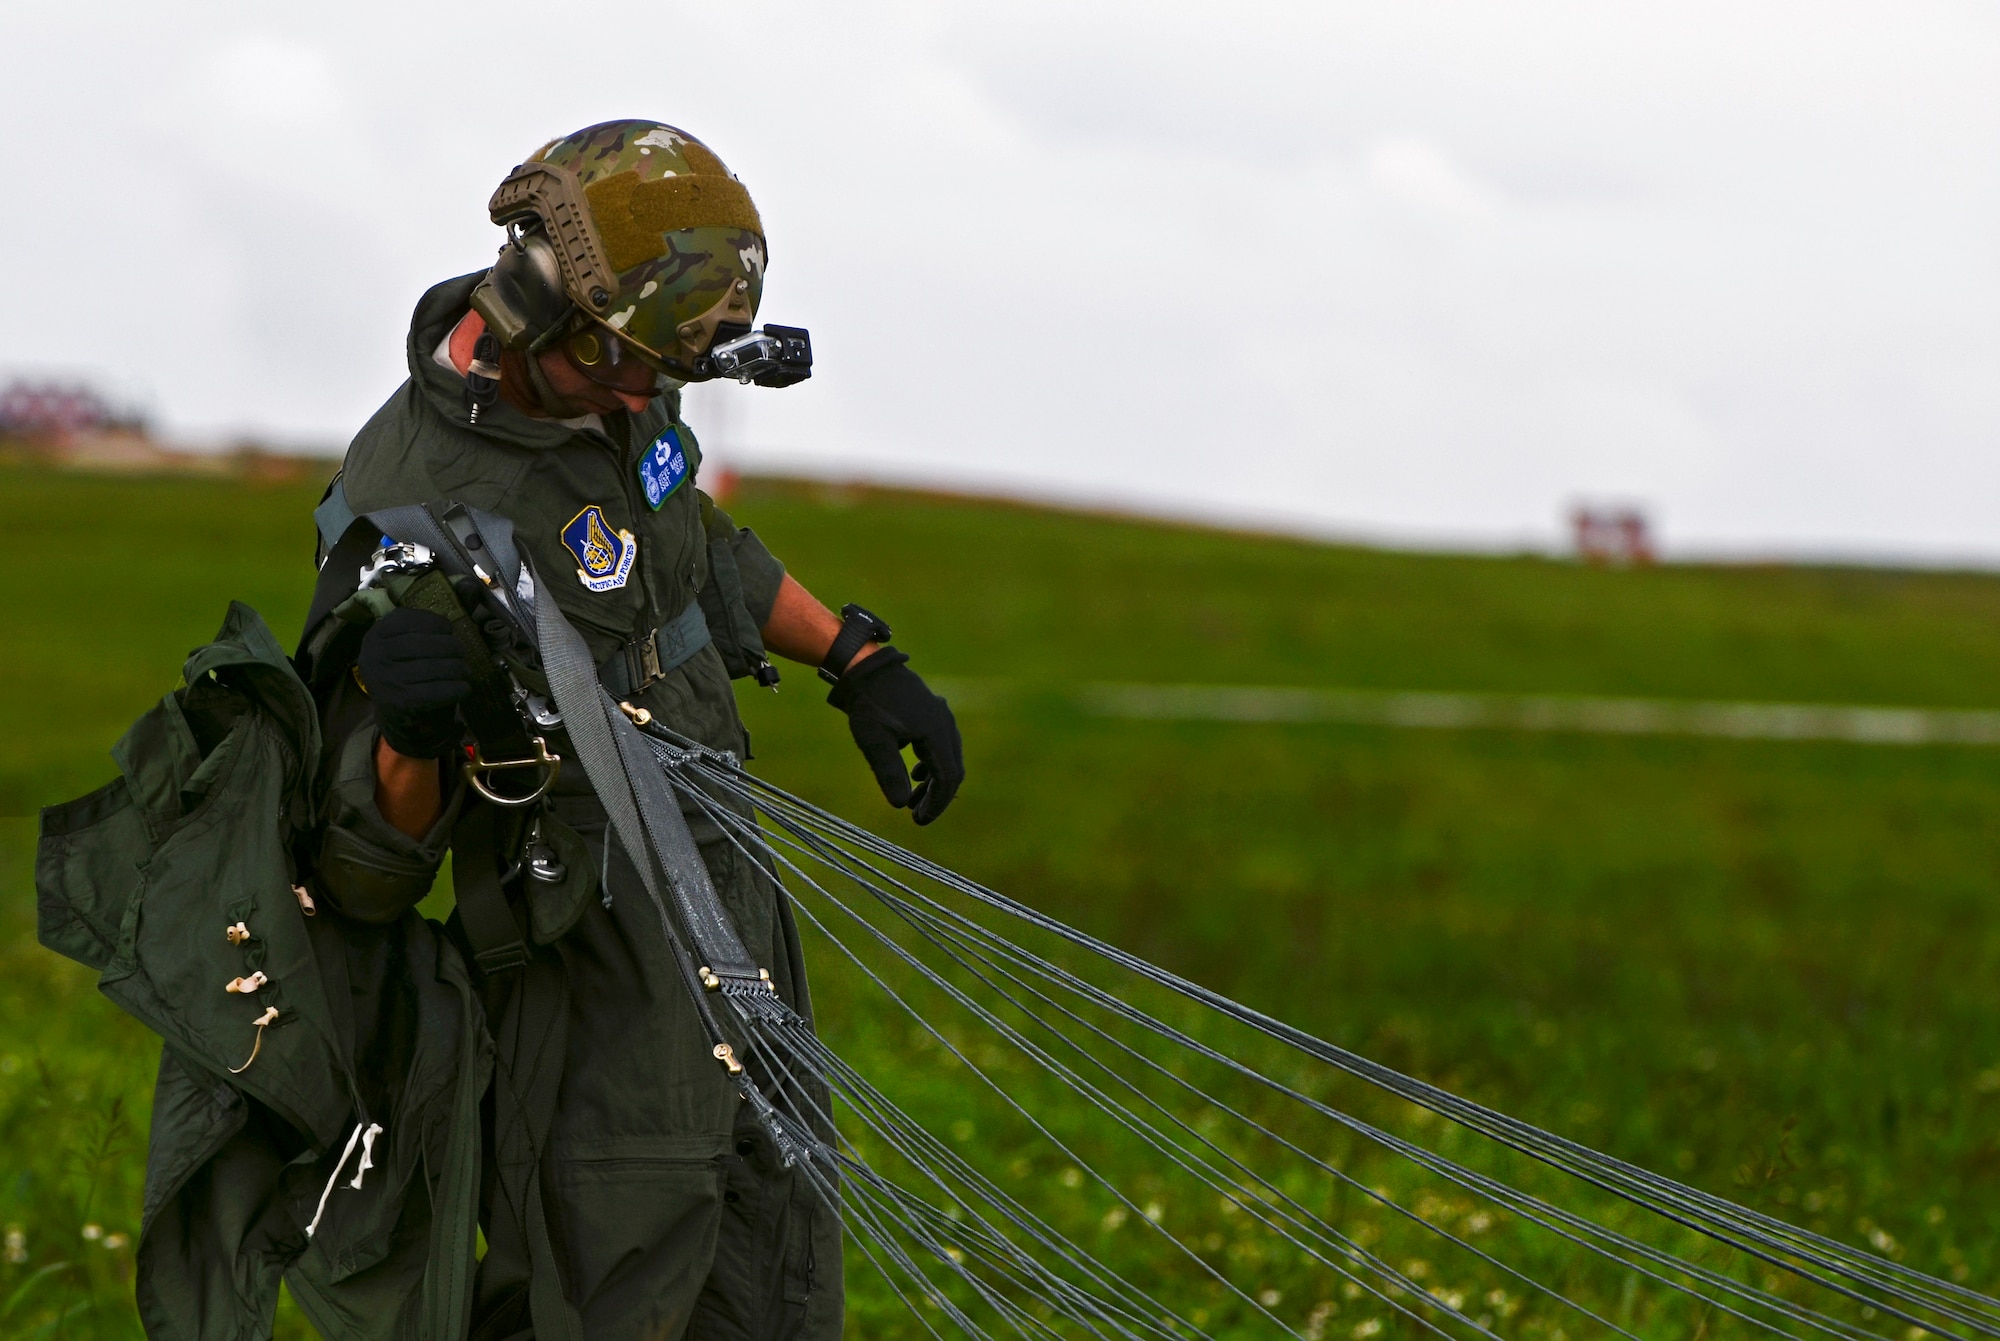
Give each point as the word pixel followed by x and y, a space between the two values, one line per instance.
pixel 634 226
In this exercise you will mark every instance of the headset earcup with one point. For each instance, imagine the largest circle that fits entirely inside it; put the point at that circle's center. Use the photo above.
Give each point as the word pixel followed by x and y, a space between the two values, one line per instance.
pixel 522 299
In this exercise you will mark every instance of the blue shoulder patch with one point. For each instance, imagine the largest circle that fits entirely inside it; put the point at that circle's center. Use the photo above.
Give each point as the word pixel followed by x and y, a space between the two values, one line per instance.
pixel 662 467
pixel 604 556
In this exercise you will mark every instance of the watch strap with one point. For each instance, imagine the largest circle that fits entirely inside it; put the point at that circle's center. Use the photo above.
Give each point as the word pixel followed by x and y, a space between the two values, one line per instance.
pixel 858 628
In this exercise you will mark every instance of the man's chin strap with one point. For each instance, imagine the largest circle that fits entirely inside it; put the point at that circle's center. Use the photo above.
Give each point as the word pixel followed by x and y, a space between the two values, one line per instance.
pixel 545 393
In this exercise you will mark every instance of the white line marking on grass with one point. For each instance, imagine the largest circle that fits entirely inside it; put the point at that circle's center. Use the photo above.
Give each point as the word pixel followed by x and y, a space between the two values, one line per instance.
pixel 1503 712
pixel 1523 712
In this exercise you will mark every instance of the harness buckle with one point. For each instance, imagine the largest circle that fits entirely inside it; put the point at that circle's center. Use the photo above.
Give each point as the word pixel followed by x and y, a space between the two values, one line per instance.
pixel 478 766
pixel 642 661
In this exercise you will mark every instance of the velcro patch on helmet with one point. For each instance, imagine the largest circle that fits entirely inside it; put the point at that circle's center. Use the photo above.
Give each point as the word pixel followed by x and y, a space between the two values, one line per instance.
pixel 633 216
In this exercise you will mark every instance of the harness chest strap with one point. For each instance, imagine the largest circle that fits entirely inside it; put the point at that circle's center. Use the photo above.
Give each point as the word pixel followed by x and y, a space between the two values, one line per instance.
pixel 650 656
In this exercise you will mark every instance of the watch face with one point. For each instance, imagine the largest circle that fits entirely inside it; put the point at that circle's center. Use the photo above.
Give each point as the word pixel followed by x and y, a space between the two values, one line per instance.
pixel 877 627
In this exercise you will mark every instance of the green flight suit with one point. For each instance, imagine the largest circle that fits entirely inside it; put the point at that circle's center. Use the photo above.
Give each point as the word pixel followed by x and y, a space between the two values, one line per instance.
pixel 666 1213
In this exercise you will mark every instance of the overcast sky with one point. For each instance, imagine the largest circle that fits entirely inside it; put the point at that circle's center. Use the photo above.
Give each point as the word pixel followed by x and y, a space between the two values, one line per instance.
pixel 1419 270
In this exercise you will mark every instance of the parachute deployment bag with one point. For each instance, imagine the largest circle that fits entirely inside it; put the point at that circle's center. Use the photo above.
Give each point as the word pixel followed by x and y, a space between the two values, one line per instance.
pixel 178 882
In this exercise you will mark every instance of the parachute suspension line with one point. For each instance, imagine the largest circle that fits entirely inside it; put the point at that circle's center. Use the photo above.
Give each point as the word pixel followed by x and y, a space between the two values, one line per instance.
pixel 1120 1114
pixel 1525 1206
pixel 912 1142
pixel 947 936
pixel 1790 1310
pixel 1782 1306
pixel 1714 1215
pixel 1396 1278
pixel 1861 1267
pixel 894 1226
pixel 862 1177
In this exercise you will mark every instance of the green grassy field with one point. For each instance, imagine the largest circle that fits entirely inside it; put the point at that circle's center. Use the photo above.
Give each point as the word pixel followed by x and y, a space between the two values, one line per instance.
pixel 1767 968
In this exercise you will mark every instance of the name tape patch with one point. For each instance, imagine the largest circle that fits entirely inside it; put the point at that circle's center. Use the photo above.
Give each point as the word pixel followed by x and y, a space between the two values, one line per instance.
pixel 603 555
pixel 662 467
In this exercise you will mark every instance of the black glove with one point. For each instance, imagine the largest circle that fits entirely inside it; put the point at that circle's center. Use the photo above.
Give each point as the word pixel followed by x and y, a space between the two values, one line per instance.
pixel 888 706
pixel 415 674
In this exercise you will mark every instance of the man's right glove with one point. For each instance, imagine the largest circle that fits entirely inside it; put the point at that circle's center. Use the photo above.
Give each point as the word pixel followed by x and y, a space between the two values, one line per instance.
pixel 888 706
pixel 415 674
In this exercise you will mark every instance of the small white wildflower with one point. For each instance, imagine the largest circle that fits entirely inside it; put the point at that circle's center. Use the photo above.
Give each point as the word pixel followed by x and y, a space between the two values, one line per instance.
pixel 93 1232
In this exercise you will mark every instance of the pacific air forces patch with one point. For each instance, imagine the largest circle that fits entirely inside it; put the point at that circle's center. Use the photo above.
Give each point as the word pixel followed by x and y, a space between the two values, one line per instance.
pixel 604 556
pixel 662 467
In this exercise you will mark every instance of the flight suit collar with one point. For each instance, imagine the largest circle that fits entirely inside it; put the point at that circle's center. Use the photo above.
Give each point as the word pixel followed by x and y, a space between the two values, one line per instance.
pixel 437 312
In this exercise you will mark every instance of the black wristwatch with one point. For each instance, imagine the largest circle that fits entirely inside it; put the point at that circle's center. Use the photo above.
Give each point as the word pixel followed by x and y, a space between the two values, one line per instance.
pixel 858 627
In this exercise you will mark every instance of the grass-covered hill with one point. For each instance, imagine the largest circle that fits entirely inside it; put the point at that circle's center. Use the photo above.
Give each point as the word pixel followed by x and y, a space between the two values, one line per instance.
pixel 1769 968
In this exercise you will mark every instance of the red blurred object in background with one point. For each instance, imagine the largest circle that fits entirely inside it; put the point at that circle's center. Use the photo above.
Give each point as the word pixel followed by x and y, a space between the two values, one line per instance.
pixel 1617 536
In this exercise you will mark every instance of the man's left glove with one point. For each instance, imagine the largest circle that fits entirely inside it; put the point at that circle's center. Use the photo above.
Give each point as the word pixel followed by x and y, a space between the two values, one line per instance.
pixel 888 706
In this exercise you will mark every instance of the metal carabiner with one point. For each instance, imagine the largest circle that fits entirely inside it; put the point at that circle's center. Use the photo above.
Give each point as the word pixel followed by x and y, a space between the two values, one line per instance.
pixel 478 765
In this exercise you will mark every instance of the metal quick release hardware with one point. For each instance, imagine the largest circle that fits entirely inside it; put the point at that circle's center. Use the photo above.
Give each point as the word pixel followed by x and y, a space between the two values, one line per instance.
pixel 727 1056
pixel 394 558
pixel 477 767
pixel 244 986
pixel 237 934
pixel 712 982
pixel 543 863
pixel 306 905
